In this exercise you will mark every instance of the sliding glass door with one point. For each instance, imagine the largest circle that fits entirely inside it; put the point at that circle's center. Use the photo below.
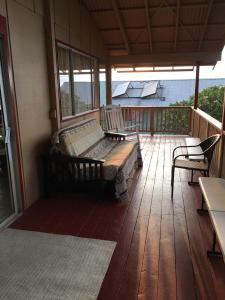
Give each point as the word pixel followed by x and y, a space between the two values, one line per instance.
pixel 8 201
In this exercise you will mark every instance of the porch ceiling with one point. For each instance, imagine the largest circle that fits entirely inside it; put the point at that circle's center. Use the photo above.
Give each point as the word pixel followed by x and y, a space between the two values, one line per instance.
pixel 160 32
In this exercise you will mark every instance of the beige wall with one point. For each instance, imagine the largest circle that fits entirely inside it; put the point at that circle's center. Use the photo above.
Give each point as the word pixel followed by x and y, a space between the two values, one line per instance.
pixel 27 37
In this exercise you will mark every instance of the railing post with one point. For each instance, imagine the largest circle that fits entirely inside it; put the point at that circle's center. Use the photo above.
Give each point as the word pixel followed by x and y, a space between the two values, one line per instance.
pixel 222 145
pixel 196 86
pixel 152 120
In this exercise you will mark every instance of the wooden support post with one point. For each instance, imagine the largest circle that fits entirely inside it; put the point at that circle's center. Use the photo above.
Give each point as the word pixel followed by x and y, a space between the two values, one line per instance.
pixel 54 113
pixel 196 87
pixel 222 143
pixel 108 84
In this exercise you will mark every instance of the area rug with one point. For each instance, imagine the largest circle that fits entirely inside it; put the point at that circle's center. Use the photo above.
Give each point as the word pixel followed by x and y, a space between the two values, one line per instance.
pixel 35 265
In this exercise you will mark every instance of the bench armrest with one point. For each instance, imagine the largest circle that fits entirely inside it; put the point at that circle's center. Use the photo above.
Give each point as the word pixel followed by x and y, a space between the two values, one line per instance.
pixel 116 135
pixel 76 159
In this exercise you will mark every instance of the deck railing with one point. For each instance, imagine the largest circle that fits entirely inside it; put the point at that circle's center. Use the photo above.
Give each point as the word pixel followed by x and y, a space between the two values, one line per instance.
pixel 167 119
pixel 203 126
pixel 172 119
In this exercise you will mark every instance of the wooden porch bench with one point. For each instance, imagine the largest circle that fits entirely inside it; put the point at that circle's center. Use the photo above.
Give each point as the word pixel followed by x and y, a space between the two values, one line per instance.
pixel 213 195
pixel 83 155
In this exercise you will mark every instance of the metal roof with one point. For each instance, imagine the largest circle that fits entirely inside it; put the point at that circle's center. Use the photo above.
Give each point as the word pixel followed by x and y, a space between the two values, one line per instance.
pixel 160 32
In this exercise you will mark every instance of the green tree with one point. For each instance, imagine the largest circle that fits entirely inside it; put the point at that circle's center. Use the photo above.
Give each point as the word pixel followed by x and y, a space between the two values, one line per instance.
pixel 210 100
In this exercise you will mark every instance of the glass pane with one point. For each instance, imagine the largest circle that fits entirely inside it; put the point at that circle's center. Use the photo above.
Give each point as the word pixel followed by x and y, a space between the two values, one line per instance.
pixel 82 76
pixel 102 82
pixel 64 79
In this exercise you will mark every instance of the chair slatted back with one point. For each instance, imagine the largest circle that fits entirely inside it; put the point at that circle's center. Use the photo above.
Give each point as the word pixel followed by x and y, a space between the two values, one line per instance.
pixel 113 117
pixel 208 146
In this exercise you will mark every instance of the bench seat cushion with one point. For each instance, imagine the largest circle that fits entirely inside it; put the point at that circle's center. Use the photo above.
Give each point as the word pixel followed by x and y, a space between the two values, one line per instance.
pixel 213 190
pixel 116 159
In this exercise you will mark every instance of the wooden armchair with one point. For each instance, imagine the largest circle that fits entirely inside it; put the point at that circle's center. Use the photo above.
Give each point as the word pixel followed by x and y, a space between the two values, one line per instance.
pixel 114 122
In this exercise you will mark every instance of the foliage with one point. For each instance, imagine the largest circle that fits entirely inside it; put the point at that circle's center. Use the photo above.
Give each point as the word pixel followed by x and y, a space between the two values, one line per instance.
pixel 210 100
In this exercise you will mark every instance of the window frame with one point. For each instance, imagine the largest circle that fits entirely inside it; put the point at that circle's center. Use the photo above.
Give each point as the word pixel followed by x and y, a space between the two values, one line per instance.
pixel 95 88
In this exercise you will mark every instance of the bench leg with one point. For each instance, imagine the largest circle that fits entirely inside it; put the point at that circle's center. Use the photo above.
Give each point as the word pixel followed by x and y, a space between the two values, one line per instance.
pixel 202 209
pixel 172 181
pixel 213 252
pixel 192 182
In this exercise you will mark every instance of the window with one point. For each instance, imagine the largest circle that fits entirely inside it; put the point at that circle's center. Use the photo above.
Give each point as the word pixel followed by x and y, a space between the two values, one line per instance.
pixel 78 77
pixel 102 82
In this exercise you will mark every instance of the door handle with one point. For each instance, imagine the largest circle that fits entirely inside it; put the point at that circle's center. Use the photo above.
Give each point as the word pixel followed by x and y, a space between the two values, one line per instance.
pixel 7 135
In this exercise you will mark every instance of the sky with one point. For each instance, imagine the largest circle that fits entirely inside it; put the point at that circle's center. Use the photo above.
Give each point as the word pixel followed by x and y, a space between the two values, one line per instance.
pixel 205 72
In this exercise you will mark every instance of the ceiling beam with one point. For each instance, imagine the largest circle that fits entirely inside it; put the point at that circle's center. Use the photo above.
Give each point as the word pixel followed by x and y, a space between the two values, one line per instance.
pixel 205 23
pixel 142 8
pixel 160 27
pixel 148 24
pixel 177 24
pixel 204 58
pixel 121 25
pixel 179 21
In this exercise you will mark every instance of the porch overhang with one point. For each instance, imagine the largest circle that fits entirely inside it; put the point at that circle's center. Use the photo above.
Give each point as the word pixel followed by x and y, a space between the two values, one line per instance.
pixel 166 59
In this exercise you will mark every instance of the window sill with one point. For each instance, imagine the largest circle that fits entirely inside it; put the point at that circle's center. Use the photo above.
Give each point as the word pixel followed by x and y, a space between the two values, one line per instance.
pixel 69 118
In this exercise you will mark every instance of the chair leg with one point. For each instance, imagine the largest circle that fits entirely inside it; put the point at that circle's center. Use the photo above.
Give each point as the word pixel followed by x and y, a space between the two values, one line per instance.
pixel 191 182
pixel 172 181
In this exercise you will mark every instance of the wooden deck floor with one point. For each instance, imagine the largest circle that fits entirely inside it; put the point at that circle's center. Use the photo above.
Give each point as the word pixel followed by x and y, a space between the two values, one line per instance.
pixel 161 245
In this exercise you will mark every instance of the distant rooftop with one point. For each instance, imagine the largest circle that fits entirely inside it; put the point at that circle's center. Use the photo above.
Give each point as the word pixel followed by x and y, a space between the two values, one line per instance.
pixel 167 91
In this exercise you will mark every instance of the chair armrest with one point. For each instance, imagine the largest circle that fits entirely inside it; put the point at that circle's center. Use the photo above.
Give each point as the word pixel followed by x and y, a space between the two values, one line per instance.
pixel 186 147
pixel 186 155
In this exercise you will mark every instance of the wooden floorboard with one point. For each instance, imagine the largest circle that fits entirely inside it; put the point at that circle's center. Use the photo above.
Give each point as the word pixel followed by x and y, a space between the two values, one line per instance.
pixel 161 244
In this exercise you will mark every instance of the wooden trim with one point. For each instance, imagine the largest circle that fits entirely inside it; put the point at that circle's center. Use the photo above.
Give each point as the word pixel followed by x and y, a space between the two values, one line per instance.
pixel 196 87
pixel 4 30
pixel 70 118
